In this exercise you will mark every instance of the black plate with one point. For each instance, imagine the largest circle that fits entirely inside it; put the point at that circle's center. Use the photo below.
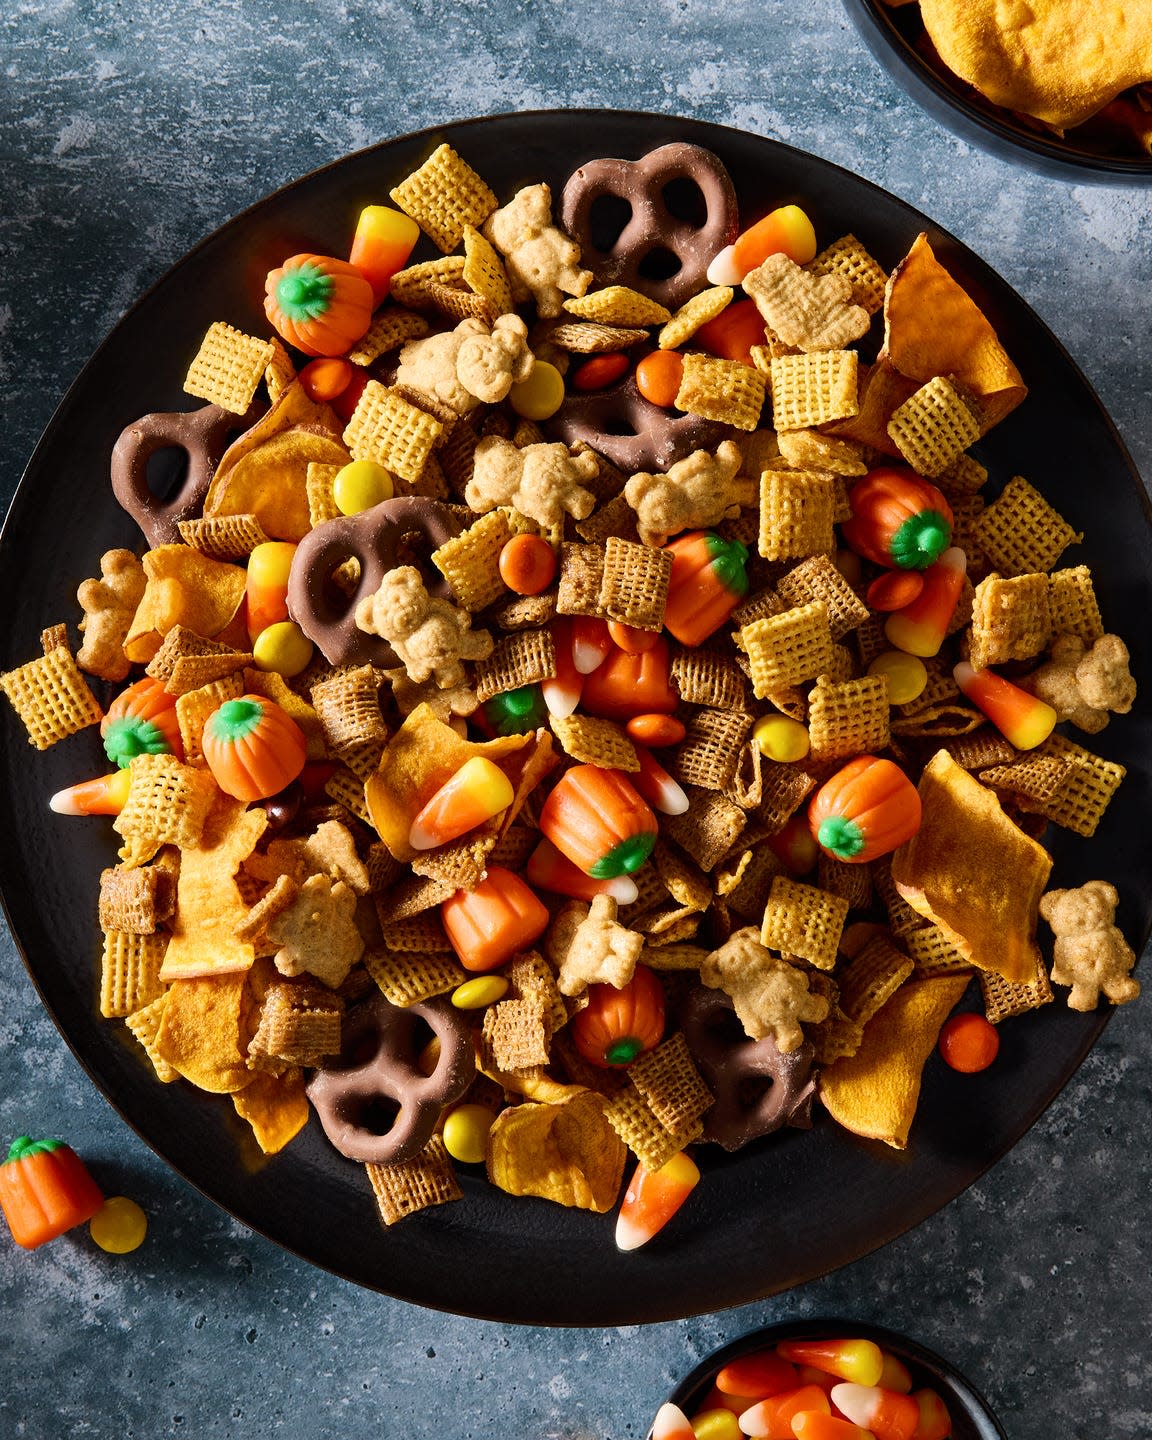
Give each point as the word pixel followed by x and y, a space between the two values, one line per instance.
pixel 971 1417
pixel 761 1221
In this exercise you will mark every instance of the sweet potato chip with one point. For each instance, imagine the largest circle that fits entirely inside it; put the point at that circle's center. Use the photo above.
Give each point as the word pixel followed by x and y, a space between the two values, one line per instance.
pixel 186 588
pixel 1059 60
pixel 209 908
pixel 875 1091
pixel 973 872
pixel 568 1153
pixel 200 1033
pixel 418 759
pixel 933 327
pixel 265 472
pixel 275 1106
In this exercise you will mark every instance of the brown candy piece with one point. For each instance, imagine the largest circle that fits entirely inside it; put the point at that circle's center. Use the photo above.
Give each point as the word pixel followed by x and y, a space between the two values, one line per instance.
pixel 203 435
pixel 404 531
pixel 757 1089
pixel 662 252
pixel 375 1103
pixel 630 431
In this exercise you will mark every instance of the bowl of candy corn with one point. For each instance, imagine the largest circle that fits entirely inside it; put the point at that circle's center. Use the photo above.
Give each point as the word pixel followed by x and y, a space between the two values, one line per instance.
pixel 825 1379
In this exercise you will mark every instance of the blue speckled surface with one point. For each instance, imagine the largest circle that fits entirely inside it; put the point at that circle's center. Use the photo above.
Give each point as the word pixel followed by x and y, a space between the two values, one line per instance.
pixel 129 131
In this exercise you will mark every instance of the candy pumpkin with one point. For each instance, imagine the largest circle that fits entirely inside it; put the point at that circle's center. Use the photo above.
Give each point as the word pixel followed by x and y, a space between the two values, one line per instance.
pixel 706 584
pixel 253 747
pixel 867 809
pixel 492 922
pixel 599 821
pixel 45 1189
pixel 141 721
pixel 319 304
pixel 899 520
pixel 618 1024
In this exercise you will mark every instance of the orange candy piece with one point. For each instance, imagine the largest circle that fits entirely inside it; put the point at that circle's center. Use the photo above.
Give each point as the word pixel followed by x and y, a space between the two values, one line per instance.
pixel 968 1042
pixel 894 590
pixel 527 564
pixel 103 795
pixel 1021 718
pixel 627 685
pixel 760 1374
pixel 600 371
pixel 631 639
pixel 672 1424
pixel 658 377
pixel 860 1361
pixel 920 628
pixel 771 1418
pixel 488 925
pixel 935 1422
pixel 655 730
pixel 814 1425
pixel 323 379
pixel 383 241
pixel 652 1198
pixel 732 334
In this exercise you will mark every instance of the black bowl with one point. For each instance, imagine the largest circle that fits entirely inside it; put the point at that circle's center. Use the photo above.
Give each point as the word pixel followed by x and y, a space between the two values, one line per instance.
pixel 891 35
pixel 971 1417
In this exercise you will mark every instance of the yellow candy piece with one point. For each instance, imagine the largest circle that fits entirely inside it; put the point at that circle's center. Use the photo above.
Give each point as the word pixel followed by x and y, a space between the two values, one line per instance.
pixel 718 1424
pixel 360 485
pixel 484 990
pixel 119 1226
pixel 779 737
pixel 269 564
pixel 541 395
pixel 466 1133
pixel 907 675
pixel 282 647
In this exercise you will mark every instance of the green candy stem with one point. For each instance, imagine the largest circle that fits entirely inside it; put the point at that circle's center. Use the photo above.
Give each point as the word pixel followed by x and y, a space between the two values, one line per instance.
pixel 623 1051
pixel 235 719
pixel 728 560
pixel 24 1145
pixel 129 736
pixel 840 837
pixel 624 858
pixel 920 541
pixel 304 293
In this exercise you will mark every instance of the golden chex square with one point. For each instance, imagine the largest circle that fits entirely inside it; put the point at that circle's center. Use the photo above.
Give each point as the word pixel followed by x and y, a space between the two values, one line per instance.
pixel 787 648
pixel 391 431
pixel 796 514
pixel 803 921
pixel 933 427
pixel 443 196
pixel 228 368
pixel 812 390
pixel 722 390
pixel 1020 532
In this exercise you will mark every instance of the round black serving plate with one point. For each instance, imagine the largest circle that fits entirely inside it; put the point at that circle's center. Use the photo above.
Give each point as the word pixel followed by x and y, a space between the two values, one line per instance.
pixel 971 1417
pixel 769 1217
pixel 892 33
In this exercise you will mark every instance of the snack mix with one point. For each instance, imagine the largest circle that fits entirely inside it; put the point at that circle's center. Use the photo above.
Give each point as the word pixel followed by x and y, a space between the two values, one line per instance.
pixel 579 718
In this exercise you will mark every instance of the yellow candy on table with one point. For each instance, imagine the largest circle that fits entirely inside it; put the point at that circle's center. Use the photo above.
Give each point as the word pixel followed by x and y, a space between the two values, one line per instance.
pixel 119 1226
pixel 360 485
pixel 483 990
pixel 541 395
pixel 466 1133
pixel 907 675
pixel 780 738
pixel 282 647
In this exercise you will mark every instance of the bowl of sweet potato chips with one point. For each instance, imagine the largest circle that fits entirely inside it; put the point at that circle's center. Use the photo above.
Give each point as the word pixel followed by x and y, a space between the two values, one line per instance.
pixel 1060 86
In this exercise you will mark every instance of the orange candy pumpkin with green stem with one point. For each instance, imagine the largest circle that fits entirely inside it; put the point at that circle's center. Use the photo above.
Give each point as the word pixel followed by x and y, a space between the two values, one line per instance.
pixel 141 721
pixel 253 747
pixel 706 584
pixel 318 303
pixel 899 520
pixel 867 809
pixel 45 1189
pixel 599 821
pixel 618 1024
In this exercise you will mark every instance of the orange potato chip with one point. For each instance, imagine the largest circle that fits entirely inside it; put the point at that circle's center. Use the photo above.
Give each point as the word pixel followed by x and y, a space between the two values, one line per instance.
pixel 265 472
pixel 1059 60
pixel 419 758
pixel 200 1033
pixel 209 907
pixel 275 1106
pixel 186 588
pixel 567 1152
pixel 973 872
pixel 875 1091
pixel 932 326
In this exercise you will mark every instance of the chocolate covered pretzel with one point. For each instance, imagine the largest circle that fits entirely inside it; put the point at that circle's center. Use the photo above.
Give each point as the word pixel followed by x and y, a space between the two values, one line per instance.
pixel 630 431
pixel 204 435
pixel 374 1101
pixel 404 531
pixel 653 238
pixel 757 1089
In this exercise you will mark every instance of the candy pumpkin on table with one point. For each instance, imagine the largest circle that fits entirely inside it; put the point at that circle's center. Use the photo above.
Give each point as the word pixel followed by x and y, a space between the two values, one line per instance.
pixel 45 1190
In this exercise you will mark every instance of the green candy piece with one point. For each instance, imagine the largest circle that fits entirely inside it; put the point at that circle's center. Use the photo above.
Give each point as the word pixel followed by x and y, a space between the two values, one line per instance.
pixel 920 541
pixel 304 293
pixel 840 837
pixel 131 735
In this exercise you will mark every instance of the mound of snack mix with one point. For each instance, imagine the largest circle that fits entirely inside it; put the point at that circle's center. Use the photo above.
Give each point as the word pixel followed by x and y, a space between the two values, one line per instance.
pixel 567 715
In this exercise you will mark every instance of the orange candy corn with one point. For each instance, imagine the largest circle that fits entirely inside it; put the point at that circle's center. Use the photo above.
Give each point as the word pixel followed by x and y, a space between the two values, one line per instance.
pixel 672 1424
pixel 888 1415
pixel 562 691
pixel 105 795
pixel 591 642
pixel 813 1425
pixel 935 1422
pixel 547 869
pixel 383 241
pixel 771 1418
pixel 860 1361
pixel 655 785
pixel 786 230
pixel 652 1198
pixel 920 628
pixel 477 791
pixel 1021 718
pixel 760 1374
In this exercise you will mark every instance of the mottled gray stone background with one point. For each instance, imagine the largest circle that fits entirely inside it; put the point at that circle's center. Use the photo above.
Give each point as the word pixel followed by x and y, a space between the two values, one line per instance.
pixel 129 129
